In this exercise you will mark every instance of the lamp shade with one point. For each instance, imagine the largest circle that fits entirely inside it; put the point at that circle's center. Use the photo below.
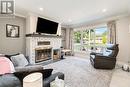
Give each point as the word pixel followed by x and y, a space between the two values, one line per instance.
pixel 33 80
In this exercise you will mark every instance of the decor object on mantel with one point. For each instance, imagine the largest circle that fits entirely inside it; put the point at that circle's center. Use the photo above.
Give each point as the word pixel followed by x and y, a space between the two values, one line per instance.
pixel 42 35
pixel 12 31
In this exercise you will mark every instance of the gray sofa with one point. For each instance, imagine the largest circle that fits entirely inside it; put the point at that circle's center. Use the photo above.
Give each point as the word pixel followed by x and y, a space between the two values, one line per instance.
pixel 15 79
pixel 10 80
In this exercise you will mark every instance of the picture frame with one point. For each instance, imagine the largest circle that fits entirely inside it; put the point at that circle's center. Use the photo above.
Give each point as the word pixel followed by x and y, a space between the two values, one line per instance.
pixel 12 31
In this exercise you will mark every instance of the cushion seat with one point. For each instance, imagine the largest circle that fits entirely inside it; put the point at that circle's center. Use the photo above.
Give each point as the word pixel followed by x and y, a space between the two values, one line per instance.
pixel 9 80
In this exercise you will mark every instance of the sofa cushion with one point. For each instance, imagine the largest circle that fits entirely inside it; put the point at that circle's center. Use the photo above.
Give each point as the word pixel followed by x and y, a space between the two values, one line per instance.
pixel 9 80
pixel 19 60
pixel 47 73
pixel 107 53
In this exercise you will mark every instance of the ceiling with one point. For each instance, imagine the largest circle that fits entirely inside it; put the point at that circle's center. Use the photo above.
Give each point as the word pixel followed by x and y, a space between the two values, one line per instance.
pixel 73 12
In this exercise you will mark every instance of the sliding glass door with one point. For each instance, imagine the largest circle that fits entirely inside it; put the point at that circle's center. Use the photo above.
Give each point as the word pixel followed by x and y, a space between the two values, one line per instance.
pixel 100 38
pixel 77 41
pixel 90 40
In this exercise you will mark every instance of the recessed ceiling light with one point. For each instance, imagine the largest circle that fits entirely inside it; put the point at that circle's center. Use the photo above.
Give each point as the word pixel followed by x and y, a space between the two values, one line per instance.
pixel 41 9
pixel 104 10
pixel 69 20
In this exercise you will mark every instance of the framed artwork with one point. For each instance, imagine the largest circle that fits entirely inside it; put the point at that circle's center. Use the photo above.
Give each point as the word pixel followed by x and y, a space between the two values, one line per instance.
pixel 12 31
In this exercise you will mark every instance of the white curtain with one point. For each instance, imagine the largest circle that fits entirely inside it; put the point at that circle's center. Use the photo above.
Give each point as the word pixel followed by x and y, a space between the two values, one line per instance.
pixel 111 25
pixel 71 41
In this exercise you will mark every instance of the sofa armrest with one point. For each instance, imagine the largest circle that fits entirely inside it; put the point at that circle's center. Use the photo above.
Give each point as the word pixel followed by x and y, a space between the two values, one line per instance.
pixel 9 80
pixel 105 57
pixel 29 68
pixel 94 53
pixel 21 72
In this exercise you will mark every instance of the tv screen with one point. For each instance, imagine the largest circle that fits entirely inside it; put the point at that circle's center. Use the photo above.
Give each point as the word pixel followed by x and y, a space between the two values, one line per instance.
pixel 46 26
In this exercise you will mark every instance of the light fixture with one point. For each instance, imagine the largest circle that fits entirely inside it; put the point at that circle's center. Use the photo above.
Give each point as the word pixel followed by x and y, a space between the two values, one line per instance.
pixel 104 10
pixel 69 20
pixel 41 9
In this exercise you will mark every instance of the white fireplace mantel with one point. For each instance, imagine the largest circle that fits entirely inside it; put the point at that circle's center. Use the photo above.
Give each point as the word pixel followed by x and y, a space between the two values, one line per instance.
pixel 32 44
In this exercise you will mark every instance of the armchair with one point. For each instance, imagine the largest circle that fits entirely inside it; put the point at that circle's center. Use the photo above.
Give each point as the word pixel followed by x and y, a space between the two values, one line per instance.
pixel 105 60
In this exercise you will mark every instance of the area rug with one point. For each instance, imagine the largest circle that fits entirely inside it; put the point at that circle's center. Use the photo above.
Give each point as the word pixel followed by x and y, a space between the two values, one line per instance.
pixel 80 73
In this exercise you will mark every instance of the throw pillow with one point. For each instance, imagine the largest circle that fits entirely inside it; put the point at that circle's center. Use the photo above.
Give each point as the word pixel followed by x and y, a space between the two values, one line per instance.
pixel 9 56
pixel 21 72
pixel 47 73
pixel 107 53
pixel 19 60
pixel 6 66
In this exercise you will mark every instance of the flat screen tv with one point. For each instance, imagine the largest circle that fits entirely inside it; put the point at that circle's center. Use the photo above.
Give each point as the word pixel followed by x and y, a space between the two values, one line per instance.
pixel 46 26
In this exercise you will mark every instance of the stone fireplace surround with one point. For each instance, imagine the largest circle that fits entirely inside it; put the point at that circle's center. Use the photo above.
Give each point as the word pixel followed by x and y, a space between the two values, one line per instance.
pixel 36 42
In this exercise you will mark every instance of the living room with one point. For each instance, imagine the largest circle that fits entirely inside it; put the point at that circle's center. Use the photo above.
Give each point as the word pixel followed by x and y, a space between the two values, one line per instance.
pixel 65 43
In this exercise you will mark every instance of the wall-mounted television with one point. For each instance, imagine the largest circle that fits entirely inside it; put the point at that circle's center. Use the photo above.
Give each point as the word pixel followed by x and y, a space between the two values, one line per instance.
pixel 46 26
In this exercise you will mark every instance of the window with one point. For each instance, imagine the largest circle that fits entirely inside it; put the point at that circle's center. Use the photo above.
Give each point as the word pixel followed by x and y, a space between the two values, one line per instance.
pixel 93 39
pixel 100 38
pixel 77 41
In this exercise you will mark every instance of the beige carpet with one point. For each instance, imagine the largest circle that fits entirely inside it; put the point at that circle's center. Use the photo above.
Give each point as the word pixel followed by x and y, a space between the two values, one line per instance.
pixel 79 73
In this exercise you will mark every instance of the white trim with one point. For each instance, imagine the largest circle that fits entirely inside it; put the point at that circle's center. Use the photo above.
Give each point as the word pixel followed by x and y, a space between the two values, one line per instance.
pixel 19 15
pixel 91 27
pixel 129 27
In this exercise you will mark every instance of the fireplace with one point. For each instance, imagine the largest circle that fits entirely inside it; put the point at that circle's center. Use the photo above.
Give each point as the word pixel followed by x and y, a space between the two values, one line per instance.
pixel 41 47
pixel 43 53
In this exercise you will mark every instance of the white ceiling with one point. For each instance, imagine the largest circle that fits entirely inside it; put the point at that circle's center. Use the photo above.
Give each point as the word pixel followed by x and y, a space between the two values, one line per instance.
pixel 72 12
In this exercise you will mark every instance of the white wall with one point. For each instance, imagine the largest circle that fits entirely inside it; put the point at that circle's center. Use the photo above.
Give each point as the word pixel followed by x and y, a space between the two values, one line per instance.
pixel 12 45
pixel 67 38
pixel 123 39
pixel 31 23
